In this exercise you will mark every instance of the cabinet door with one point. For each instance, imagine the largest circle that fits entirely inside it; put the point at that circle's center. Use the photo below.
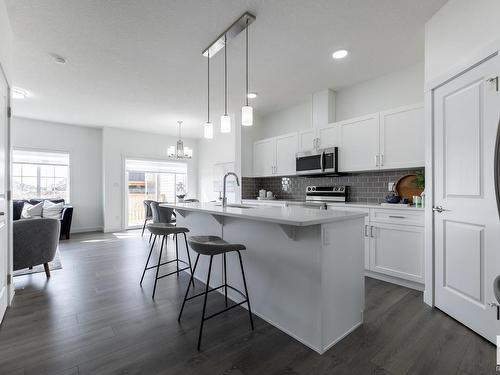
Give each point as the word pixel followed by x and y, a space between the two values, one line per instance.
pixel 286 148
pixel 263 157
pixel 397 250
pixel 306 140
pixel 328 136
pixel 359 146
pixel 402 137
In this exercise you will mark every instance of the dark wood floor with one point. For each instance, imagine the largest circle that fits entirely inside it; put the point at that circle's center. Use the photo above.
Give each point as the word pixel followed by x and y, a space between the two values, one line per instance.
pixel 92 317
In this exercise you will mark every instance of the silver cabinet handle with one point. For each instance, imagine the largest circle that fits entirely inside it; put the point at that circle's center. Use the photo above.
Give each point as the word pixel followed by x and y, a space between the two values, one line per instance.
pixel 396 217
pixel 438 209
pixel 382 160
pixel 371 231
pixel 376 160
pixel 366 230
pixel 2 213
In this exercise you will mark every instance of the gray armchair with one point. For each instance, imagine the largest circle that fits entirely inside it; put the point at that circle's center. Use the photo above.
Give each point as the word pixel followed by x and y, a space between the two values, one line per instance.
pixel 35 242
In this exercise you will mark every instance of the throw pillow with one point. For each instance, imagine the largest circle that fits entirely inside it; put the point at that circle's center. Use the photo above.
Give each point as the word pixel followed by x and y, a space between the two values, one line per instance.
pixel 31 211
pixel 52 210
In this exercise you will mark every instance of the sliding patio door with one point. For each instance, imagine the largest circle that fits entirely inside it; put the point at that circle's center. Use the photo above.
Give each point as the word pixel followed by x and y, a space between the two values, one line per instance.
pixel 154 180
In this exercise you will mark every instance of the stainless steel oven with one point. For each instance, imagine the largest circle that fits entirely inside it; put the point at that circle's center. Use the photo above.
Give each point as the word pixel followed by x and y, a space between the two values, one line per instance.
pixel 318 162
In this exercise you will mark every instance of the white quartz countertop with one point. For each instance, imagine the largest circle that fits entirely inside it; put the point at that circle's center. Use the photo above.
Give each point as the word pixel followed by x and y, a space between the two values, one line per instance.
pixel 335 204
pixel 291 215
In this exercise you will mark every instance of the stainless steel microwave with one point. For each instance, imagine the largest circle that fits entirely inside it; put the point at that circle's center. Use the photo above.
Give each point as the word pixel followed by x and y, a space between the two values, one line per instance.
pixel 317 162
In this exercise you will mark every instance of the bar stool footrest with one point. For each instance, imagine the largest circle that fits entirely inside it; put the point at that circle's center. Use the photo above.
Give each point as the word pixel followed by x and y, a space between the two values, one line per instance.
pixel 173 272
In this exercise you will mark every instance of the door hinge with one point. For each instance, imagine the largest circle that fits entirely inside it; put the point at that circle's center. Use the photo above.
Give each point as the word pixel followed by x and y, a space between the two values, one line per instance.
pixel 9 279
pixel 495 81
pixel 9 112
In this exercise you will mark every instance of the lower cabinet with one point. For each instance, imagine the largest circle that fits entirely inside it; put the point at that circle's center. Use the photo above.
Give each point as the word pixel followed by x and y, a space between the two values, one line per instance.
pixel 397 250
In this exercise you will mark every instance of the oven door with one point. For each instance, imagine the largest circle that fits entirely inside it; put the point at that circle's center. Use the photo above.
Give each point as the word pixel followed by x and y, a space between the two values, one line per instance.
pixel 309 163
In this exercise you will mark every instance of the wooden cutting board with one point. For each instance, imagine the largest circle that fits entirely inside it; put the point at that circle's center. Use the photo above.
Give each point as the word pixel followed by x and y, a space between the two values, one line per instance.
pixel 405 187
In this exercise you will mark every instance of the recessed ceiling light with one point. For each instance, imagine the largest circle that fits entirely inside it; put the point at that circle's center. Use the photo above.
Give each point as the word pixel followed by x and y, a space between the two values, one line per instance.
pixel 251 95
pixel 340 54
pixel 19 93
pixel 58 59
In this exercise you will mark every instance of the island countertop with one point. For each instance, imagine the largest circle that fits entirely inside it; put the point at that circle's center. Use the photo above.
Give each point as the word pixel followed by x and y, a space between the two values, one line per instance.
pixel 291 215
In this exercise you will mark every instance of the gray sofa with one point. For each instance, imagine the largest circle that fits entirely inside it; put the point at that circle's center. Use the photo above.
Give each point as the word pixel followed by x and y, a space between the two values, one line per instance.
pixel 35 242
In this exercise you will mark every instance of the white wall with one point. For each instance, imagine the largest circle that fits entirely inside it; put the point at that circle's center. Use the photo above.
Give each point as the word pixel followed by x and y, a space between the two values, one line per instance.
pixel 393 90
pixel 458 30
pixel 402 87
pixel 287 120
pixel 220 149
pixel 117 144
pixel 84 147
pixel 5 42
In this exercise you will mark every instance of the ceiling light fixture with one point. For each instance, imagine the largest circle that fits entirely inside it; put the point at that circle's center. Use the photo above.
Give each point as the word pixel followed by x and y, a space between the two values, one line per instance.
pixel 225 120
pixel 208 128
pixel 340 54
pixel 19 93
pixel 179 151
pixel 251 95
pixel 246 110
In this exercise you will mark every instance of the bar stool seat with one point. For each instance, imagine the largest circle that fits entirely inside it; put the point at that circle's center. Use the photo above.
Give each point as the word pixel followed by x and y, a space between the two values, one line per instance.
pixel 164 230
pixel 211 246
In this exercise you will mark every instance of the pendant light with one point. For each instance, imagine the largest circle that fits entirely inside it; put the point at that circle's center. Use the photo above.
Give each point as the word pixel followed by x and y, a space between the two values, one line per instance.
pixel 208 128
pixel 179 151
pixel 225 120
pixel 246 110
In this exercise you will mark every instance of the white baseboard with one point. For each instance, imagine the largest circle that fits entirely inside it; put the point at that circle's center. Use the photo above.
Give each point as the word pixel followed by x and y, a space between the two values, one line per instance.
pixel 86 229
pixel 395 280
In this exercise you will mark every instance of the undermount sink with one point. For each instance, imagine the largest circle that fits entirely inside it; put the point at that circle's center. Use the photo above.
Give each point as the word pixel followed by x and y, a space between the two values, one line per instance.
pixel 235 206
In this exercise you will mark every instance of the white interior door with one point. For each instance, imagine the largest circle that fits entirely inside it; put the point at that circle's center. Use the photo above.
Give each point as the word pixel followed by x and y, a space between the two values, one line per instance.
pixel 4 101
pixel 467 230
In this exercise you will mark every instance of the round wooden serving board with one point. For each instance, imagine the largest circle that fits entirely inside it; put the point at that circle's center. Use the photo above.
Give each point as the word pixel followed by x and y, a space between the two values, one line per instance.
pixel 405 187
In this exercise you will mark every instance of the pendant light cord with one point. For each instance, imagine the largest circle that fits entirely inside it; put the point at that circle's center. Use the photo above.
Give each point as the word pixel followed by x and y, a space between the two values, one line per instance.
pixel 225 75
pixel 246 62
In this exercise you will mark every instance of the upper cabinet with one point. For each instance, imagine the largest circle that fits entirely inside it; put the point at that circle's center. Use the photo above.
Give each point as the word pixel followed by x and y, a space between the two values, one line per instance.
pixel 275 156
pixel 358 143
pixel 384 140
pixel 402 137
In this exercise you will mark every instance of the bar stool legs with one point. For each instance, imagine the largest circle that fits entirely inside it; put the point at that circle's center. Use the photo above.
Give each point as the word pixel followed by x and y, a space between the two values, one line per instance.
pixel 208 290
pixel 159 263
pixel 246 291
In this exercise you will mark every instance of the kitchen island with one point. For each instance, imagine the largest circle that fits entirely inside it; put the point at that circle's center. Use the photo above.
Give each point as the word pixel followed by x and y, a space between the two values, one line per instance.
pixel 304 266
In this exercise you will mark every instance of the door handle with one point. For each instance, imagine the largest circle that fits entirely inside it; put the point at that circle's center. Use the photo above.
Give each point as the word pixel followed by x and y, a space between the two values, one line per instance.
pixel 366 230
pixel 382 160
pixel 376 160
pixel 396 217
pixel 495 304
pixel 438 209
pixel 371 231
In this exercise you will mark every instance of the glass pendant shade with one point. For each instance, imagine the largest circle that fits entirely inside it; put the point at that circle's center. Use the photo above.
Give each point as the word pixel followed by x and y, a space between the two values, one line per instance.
pixel 246 115
pixel 225 124
pixel 208 130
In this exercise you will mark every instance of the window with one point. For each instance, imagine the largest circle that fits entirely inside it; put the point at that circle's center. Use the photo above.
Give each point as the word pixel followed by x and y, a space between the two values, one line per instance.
pixel 39 174
pixel 161 181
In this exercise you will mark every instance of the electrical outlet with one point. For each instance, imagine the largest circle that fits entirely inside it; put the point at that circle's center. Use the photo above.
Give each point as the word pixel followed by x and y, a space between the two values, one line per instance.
pixel 390 186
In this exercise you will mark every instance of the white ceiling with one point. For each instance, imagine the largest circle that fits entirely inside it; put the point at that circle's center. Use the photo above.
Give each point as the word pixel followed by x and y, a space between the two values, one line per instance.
pixel 138 64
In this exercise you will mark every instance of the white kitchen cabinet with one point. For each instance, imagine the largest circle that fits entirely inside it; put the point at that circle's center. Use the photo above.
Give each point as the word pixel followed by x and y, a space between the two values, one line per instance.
pixel 328 136
pixel 263 157
pixel 358 143
pixel 402 137
pixel 286 147
pixel 307 140
pixel 397 250
pixel 275 156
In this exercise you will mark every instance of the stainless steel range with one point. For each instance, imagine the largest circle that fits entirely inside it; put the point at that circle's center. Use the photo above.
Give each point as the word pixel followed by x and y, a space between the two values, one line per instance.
pixel 325 194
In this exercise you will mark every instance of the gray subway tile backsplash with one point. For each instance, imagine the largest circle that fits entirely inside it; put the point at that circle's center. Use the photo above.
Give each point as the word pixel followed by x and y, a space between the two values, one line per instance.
pixel 364 187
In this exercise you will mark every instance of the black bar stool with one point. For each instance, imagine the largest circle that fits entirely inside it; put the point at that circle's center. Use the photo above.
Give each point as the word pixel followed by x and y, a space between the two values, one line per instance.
pixel 164 230
pixel 211 246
